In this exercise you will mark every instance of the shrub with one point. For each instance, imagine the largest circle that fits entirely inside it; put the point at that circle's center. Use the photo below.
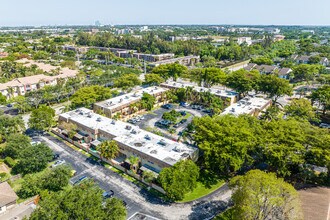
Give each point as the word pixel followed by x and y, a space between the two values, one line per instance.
pixel 10 161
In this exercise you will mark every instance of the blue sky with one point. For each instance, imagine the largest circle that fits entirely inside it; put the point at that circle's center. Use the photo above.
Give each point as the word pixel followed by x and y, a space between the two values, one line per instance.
pixel 61 12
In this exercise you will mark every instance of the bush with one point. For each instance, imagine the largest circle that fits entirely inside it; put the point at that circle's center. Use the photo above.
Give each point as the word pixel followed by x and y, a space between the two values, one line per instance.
pixel 10 161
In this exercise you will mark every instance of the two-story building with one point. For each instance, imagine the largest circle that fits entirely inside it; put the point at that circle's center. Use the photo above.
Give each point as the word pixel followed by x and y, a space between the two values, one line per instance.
pixel 154 152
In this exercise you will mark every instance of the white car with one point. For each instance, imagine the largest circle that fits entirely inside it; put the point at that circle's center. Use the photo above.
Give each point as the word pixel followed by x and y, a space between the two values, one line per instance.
pixel 324 125
pixel 58 162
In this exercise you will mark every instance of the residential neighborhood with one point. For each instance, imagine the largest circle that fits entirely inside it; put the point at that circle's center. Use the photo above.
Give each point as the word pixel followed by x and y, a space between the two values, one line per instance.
pixel 160 111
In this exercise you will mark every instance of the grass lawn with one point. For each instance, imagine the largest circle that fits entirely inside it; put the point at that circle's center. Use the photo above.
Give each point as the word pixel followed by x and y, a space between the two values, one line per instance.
pixel 202 190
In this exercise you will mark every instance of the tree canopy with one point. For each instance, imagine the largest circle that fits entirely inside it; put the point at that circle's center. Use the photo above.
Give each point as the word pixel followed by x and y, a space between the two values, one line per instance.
pixel 33 159
pixel 260 195
pixel 179 179
pixel 80 202
pixel 168 71
pixel 42 118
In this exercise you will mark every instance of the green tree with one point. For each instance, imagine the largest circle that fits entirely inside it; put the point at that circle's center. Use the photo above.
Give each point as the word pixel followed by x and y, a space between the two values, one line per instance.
pixel 242 81
pixel 262 60
pixel 79 202
pixel 173 71
pixel 86 96
pixel 53 180
pixel 42 118
pixel 33 159
pixel 322 96
pixel 274 86
pixel 207 77
pixel 153 79
pixel 134 161
pixel 259 195
pixel 16 144
pixel 11 125
pixel 127 81
pixel 3 99
pixel 301 109
pixel 108 149
pixel 226 140
pixel 179 179
pixel 148 101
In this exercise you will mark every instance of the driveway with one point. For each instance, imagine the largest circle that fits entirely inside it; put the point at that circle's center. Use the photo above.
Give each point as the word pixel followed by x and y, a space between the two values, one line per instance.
pixel 139 200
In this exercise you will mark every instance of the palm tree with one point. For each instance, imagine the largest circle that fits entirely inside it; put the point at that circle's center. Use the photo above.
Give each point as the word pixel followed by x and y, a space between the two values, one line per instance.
pixel 108 149
pixel 134 161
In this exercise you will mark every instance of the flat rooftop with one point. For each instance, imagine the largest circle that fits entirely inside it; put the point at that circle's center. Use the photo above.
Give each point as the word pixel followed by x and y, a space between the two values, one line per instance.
pixel 213 90
pixel 143 141
pixel 128 98
pixel 173 60
pixel 246 105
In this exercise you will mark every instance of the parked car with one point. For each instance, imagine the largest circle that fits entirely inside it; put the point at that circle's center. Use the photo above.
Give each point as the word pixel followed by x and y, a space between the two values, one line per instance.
pixel 184 104
pixel 183 113
pixel 124 203
pixel 81 180
pixel 183 121
pixel 56 156
pixel 176 125
pixel 324 125
pixel 108 194
pixel 57 163
pixel 167 106
pixel 132 121
pixel 9 105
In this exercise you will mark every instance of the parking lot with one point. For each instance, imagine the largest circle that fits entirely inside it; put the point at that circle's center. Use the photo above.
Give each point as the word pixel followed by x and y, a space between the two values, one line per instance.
pixel 149 120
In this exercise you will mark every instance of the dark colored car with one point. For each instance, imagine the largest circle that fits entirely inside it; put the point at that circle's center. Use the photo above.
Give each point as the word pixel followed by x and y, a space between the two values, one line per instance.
pixel 56 156
pixel 183 121
pixel 176 125
pixel 167 106
pixel 108 194
pixel 183 113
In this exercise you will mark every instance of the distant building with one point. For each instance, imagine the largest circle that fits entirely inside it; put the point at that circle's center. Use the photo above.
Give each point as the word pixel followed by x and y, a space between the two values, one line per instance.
pixel 248 105
pixel 226 95
pixel 284 73
pixel 246 40
pixel 8 197
pixel 278 37
pixel 22 85
pixel 3 55
pixel 187 61
pixel 304 59
pixel 123 104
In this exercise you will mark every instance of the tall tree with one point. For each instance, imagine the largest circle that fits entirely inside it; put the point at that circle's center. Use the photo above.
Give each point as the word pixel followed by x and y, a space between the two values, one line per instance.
pixel 274 86
pixel 179 179
pixel 42 118
pixel 33 159
pixel 80 202
pixel 322 96
pixel 301 109
pixel 108 149
pixel 259 195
